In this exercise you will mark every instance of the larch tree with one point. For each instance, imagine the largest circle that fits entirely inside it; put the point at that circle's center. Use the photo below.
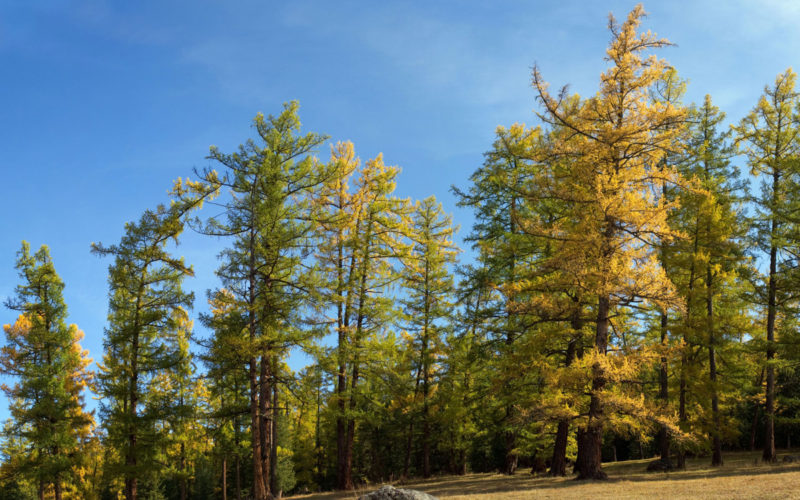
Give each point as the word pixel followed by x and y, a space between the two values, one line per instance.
pixel 176 398
pixel 428 302
pixel 708 266
pixel 266 191
pixel 609 242
pixel 43 354
pixel 769 136
pixel 225 356
pixel 360 235
pixel 145 293
pixel 339 212
pixel 670 89
pixel 495 198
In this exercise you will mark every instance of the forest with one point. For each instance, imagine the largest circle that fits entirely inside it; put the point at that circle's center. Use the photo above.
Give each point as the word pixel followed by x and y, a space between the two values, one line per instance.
pixel 629 288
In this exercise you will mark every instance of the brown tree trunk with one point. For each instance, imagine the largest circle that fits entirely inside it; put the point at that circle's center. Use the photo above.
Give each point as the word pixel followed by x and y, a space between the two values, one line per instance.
pixel 182 469
pixel 238 477
pixel 265 421
pixel 133 397
pixel 663 433
pixel 512 460
pixel 225 478
pixel 341 429
pixel 273 454
pixel 682 416
pixel 716 444
pixel 590 437
pixel 259 488
pixel 558 464
pixel 347 477
pixel 754 427
pixel 57 488
pixel 769 407
pixel 407 461
pixel 426 425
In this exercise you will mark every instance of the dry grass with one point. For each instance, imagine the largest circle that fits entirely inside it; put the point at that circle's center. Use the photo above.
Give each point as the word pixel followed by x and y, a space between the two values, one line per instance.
pixel 742 476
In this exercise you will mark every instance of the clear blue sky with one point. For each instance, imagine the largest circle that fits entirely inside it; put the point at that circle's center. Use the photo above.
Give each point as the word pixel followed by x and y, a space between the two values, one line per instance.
pixel 104 103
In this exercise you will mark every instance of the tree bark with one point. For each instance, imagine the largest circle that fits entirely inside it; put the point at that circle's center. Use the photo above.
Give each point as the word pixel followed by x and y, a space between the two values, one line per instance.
pixel 769 408
pixel 273 453
pixel 426 426
pixel 682 416
pixel 259 488
pixel 590 437
pixel 663 433
pixel 754 427
pixel 224 478
pixel 265 421
pixel 182 486
pixel 558 464
pixel 238 478
pixel 716 444
pixel 133 396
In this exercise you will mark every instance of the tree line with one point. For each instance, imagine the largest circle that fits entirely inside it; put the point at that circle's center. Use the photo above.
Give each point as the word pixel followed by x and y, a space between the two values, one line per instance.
pixel 629 297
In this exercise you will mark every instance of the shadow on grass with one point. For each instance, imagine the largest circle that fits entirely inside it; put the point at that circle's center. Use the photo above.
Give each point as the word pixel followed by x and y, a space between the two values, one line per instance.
pixel 620 472
pixel 737 464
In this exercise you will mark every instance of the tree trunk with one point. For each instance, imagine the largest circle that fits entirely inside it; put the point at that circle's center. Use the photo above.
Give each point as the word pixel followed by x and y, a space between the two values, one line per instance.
pixel 57 488
pixel 133 397
pixel 341 422
pixel 317 436
pixel 341 429
pixel 259 488
pixel 512 460
pixel 769 407
pixel 426 425
pixel 225 478
pixel 265 421
pixel 347 478
pixel 663 433
pixel 183 469
pixel 558 465
pixel 238 478
pixel 273 453
pixel 682 416
pixel 754 426
pixel 590 437
pixel 407 461
pixel 716 445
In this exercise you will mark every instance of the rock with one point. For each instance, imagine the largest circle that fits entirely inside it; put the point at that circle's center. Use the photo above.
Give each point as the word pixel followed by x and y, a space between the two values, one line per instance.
pixel 788 459
pixel 659 466
pixel 387 492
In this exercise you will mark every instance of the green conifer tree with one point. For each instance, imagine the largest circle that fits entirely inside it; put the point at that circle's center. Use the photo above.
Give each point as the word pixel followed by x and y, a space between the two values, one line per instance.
pixel 43 355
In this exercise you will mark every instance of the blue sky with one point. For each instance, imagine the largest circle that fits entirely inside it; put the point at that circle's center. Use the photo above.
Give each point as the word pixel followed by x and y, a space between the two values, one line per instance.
pixel 104 103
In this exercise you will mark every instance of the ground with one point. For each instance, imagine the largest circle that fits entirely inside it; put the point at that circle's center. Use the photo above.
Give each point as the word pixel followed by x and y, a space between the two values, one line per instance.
pixel 742 476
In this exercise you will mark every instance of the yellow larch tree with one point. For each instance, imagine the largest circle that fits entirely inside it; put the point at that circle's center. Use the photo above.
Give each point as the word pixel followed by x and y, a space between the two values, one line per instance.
pixel 605 242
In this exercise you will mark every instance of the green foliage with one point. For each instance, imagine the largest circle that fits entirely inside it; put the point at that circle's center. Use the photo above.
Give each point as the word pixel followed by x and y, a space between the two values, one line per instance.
pixel 42 353
pixel 146 313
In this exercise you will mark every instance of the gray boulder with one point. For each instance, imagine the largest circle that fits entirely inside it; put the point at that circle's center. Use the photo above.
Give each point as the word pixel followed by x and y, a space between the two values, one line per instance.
pixel 387 492
pixel 788 459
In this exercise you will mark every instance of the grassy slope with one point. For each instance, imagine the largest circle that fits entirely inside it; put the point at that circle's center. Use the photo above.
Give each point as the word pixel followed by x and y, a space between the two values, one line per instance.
pixel 742 476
